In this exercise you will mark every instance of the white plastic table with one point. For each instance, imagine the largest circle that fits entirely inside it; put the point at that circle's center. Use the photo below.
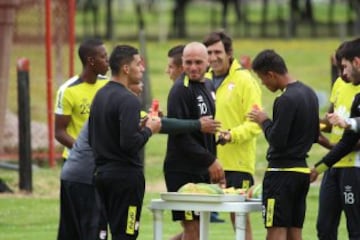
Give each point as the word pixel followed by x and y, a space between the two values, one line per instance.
pixel 240 208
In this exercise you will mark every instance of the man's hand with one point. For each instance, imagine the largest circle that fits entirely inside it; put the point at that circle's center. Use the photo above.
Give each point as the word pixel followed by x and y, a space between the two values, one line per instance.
pixel 257 115
pixel 217 174
pixel 324 141
pixel 143 121
pixel 154 123
pixel 209 125
pixel 224 137
pixel 160 113
pixel 313 175
pixel 61 134
pixel 336 120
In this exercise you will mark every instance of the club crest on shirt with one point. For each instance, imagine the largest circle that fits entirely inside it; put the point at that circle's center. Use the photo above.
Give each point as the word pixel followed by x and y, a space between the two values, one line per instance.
pixel 342 111
pixel 231 86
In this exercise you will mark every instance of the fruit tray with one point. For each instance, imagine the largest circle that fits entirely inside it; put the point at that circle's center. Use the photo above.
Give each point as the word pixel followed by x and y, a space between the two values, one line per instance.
pixel 193 197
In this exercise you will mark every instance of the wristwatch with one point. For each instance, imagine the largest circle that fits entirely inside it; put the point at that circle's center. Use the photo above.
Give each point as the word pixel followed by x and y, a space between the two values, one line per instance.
pixel 350 123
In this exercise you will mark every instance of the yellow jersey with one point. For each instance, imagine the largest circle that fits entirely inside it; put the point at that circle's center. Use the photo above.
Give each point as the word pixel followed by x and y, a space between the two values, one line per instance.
pixel 73 99
pixel 235 97
pixel 342 96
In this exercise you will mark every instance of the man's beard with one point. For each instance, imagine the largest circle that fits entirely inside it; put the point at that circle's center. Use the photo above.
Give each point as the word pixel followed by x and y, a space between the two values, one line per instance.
pixel 355 76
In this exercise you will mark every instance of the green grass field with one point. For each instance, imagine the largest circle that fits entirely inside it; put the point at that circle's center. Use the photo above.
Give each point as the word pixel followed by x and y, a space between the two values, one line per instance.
pixel 35 216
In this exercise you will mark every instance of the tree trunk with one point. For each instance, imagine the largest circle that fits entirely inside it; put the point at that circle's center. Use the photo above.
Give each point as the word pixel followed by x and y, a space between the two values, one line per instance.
pixel 7 20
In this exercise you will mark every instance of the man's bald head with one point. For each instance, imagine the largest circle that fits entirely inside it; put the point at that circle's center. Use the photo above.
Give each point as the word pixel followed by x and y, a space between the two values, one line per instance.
pixel 195 61
pixel 195 48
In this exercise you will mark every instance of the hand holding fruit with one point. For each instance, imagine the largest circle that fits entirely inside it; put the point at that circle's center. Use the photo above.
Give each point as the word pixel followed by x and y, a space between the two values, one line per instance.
pixel 336 120
pixel 257 115
pixel 154 123
pixel 154 110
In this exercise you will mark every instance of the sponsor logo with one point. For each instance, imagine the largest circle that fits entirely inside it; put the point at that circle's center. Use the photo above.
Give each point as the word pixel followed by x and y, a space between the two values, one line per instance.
pixel 200 98
pixel 131 220
pixel 188 215
pixel 102 234
pixel 270 212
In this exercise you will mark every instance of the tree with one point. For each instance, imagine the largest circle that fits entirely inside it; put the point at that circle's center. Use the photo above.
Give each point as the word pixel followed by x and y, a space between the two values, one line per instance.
pixel 7 20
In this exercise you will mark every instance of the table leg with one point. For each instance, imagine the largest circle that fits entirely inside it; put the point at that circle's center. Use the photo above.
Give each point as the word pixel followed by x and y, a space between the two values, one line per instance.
pixel 240 225
pixel 204 225
pixel 158 221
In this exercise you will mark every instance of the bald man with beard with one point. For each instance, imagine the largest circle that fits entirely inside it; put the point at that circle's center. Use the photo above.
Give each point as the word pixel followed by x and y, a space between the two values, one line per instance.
pixel 191 157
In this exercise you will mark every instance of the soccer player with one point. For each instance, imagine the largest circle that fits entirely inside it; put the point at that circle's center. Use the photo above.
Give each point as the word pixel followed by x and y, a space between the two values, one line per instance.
pixel 75 96
pixel 206 123
pixel 236 92
pixel 191 157
pixel 116 139
pixel 79 216
pixel 174 67
pixel 331 190
pixel 77 191
pixel 291 133
pixel 349 176
pixel 174 70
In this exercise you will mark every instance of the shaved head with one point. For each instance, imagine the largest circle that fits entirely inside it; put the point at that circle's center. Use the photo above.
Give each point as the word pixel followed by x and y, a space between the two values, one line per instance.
pixel 195 61
pixel 196 48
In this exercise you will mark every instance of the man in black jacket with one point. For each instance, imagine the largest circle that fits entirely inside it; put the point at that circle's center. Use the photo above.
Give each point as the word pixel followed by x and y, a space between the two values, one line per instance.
pixel 191 157
pixel 116 138
pixel 291 133
pixel 350 183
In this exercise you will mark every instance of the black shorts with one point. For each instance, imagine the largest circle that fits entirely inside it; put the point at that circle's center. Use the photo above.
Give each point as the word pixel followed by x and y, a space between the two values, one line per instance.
pixel 80 213
pixel 284 198
pixel 174 180
pixel 239 179
pixel 122 193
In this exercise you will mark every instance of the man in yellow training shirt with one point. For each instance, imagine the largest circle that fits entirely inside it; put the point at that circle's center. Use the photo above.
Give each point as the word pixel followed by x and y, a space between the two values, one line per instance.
pixel 75 96
pixel 236 93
